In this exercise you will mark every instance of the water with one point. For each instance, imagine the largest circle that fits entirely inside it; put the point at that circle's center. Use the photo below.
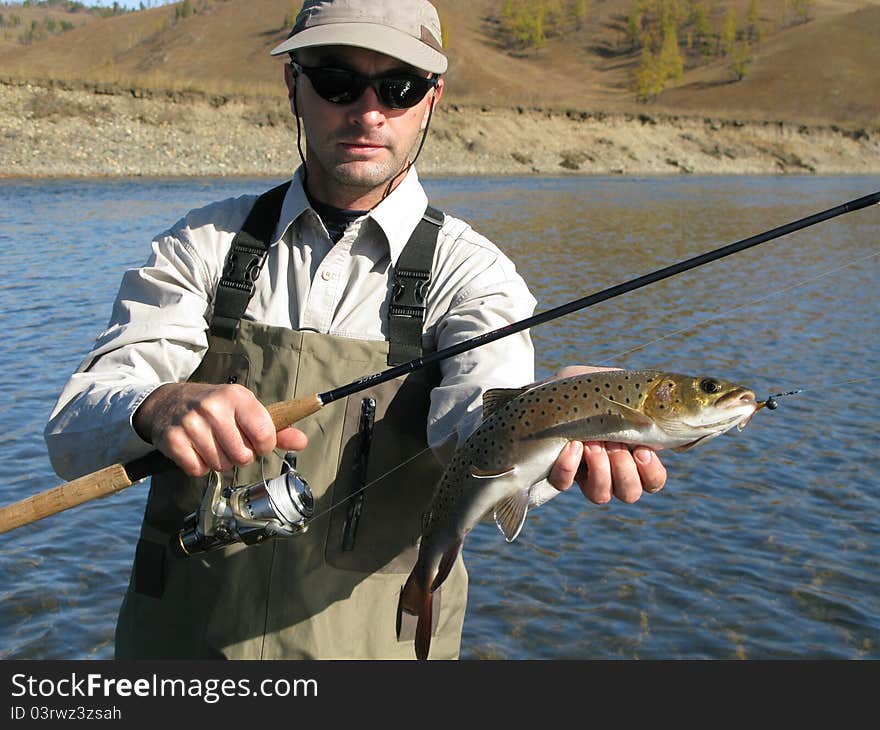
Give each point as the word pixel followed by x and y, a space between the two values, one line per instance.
pixel 764 544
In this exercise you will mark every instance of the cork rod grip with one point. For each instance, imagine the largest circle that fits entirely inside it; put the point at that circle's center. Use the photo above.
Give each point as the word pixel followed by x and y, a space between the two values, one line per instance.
pixel 288 412
pixel 91 486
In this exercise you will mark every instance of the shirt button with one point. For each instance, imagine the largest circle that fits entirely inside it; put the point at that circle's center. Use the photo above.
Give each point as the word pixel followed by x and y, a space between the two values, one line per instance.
pixel 326 275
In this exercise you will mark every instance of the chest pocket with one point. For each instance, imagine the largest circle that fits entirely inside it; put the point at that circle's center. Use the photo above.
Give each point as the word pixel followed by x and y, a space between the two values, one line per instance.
pixel 385 480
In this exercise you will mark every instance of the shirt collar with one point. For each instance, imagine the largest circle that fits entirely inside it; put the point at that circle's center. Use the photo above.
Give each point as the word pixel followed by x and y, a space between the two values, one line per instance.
pixel 295 204
pixel 397 216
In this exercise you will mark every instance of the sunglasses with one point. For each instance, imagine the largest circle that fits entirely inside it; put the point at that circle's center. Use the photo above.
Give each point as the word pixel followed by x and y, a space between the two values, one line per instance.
pixel 341 86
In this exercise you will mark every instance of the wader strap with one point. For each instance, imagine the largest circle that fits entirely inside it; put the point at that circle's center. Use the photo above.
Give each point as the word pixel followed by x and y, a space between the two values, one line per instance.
pixel 244 262
pixel 412 277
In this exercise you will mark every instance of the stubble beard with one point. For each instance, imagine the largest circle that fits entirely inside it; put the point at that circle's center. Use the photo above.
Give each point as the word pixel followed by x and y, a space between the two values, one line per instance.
pixel 365 175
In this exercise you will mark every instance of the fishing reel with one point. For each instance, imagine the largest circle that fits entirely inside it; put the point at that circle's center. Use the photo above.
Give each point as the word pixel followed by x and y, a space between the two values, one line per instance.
pixel 250 514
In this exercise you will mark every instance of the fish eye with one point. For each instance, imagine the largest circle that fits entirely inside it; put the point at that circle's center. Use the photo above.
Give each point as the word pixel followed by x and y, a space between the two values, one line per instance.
pixel 707 385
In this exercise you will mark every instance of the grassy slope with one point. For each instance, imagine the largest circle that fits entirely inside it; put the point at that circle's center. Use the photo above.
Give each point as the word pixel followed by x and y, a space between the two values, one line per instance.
pixel 823 71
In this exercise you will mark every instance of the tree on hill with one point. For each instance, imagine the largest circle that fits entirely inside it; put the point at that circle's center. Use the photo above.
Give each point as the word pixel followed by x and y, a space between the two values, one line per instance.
pixel 796 12
pixel 524 22
pixel 753 29
pixel 653 25
pixel 727 39
pixel 741 60
pixel 527 24
pixel 701 33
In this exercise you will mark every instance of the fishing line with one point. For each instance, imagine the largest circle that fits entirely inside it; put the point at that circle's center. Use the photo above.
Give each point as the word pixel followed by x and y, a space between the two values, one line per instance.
pixel 367 486
pixel 825 386
pixel 728 312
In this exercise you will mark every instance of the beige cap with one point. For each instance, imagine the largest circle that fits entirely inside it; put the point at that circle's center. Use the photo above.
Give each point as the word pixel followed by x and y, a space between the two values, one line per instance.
pixel 408 30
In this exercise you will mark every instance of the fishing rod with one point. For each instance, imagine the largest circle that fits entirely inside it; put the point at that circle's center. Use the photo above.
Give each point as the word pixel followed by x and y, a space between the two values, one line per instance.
pixel 117 477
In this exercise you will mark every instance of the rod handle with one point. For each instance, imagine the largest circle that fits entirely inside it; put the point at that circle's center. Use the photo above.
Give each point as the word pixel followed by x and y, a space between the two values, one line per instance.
pixel 287 412
pixel 118 476
pixel 91 486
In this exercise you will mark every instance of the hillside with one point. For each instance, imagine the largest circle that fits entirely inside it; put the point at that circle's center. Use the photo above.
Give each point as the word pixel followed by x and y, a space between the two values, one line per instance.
pixel 155 93
pixel 822 71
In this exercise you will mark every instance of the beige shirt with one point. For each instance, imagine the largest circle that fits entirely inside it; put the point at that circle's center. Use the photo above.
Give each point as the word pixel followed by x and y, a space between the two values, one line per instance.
pixel 158 329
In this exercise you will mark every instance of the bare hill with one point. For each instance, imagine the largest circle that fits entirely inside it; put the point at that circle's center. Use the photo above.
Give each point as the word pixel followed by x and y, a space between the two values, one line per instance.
pixel 822 71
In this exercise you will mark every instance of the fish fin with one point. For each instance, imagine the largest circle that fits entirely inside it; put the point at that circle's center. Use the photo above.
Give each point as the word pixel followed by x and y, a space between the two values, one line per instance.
pixel 446 563
pixel 415 600
pixel 631 413
pixel 510 514
pixel 688 446
pixel 496 398
pixel 478 473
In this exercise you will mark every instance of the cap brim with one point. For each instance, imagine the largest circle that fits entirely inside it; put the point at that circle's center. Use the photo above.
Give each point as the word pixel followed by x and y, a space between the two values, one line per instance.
pixel 373 37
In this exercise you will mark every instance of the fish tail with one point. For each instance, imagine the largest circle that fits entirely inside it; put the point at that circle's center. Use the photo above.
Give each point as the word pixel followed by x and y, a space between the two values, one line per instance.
pixel 417 597
pixel 417 600
pixel 446 563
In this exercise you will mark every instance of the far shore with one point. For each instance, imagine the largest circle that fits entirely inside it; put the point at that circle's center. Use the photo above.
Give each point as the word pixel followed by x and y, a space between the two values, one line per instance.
pixel 48 131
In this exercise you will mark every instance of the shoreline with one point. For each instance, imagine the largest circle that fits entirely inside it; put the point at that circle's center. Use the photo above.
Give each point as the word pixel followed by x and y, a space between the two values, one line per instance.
pixel 66 131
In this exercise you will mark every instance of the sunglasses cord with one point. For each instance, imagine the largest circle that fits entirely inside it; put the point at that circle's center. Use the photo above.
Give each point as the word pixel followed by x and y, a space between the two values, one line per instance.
pixel 411 162
pixel 299 139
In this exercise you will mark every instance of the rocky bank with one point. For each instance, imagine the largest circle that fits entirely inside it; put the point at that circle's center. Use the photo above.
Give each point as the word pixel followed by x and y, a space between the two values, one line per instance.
pixel 83 131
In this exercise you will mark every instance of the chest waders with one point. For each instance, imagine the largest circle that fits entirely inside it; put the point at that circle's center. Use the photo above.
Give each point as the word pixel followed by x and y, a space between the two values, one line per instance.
pixel 331 592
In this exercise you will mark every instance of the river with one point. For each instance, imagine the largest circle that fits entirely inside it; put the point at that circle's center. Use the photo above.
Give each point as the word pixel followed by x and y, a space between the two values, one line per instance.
pixel 764 543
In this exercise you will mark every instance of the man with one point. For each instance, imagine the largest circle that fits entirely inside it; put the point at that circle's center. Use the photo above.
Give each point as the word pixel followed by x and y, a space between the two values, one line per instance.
pixel 199 341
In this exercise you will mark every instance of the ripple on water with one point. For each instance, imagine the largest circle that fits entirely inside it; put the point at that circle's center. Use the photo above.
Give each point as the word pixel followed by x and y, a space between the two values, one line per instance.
pixel 764 544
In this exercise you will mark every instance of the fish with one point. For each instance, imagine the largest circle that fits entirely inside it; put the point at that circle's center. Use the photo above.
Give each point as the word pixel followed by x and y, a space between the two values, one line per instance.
pixel 501 469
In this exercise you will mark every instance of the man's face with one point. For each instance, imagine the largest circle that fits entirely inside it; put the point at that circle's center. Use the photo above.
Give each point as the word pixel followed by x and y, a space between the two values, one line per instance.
pixel 354 150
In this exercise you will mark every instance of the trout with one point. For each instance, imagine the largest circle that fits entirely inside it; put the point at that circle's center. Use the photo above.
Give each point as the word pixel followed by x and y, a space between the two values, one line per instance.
pixel 502 467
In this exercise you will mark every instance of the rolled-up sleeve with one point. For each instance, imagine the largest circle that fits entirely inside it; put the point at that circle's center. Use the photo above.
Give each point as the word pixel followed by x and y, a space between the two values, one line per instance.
pixel 479 290
pixel 156 335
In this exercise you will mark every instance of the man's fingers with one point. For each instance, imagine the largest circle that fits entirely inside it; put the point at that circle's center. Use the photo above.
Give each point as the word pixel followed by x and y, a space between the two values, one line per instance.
pixel 255 426
pixel 178 446
pixel 613 471
pixel 625 479
pixel 291 439
pixel 651 469
pixel 565 468
pixel 597 485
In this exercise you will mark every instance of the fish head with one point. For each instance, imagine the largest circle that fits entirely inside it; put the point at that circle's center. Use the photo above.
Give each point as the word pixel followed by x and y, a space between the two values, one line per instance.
pixel 694 409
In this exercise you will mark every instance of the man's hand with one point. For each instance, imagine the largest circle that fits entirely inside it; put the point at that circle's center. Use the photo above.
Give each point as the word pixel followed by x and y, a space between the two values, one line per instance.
pixel 206 428
pixel 603 470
